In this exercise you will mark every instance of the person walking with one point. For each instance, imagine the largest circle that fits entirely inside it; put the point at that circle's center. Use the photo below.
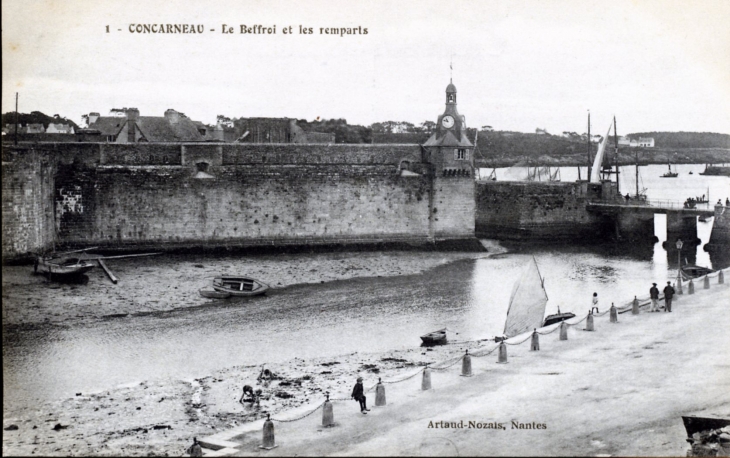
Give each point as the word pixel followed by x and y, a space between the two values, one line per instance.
pixel 654 295
pixel 594 303
pixel 668 294
pixel 358 394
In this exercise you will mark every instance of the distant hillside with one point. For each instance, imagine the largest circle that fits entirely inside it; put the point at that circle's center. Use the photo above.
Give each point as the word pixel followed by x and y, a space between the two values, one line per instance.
pixel 35 117
pixel 686 139
pixel 504 148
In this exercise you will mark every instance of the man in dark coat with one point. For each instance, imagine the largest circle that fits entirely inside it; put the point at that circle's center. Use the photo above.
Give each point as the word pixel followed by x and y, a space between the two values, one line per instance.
pixel 654 296
pixel 358 394
pixel 668 294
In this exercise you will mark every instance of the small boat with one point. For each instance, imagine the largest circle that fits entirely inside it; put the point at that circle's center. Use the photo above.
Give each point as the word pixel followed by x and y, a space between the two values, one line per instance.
pixel 694 424
pixel 716 170
pixel 557 318
pixel 690 271
pixel 62 265
pixel 691 173
pixel 239 286
pixel 670 174
pixel 435 337
pixel 213 293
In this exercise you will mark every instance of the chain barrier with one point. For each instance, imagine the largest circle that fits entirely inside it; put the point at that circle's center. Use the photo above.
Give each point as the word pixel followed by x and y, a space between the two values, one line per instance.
pixel 602 313
pixel 577 322
pixel 449 366
pixel 549 332
pixel 480 355
pixel 519 343
pixel 407 378
pixel 300 418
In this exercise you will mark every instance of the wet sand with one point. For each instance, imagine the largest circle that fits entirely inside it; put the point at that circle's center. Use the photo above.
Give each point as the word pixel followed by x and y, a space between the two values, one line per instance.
pixel 159 417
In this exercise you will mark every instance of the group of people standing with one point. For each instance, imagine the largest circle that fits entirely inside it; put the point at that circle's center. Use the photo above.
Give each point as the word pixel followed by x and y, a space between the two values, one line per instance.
pixel 668 295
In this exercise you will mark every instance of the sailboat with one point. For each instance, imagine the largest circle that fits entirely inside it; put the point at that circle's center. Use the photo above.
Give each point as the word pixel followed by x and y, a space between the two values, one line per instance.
pixel 527 303
pixel 670 174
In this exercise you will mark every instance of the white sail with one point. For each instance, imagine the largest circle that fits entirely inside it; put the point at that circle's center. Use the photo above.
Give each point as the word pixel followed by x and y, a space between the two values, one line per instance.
pixel 598 162
pixel 527 303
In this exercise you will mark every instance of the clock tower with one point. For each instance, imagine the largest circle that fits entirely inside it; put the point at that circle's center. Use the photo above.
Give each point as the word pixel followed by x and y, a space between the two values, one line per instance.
pixel 449 149
pixel 452 208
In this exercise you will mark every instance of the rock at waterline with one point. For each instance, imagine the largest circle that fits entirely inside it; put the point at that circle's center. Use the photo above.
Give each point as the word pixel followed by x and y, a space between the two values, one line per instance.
pixel 11 428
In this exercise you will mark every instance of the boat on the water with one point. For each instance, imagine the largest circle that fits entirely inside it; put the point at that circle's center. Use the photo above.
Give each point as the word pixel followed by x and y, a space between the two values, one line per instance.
pixel 557 318
pixel 527 302
pixel 716 170
pixel 62 265
pixel 690 271
pixel 435 337
pixel 670 174
pixel 239 286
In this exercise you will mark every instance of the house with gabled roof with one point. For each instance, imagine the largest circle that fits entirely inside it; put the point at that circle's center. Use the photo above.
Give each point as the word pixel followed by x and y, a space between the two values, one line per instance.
pixel 173 127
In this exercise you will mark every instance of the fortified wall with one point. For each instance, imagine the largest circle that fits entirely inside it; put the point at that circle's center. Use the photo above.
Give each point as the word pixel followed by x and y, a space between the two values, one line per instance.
pixel 152 195
pixel 517 210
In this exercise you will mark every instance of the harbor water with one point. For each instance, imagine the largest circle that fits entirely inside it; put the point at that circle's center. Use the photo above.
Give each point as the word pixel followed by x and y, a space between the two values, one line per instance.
pixel 372 314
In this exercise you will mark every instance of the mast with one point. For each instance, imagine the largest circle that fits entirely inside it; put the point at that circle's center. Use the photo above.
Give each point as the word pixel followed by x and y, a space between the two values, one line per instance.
pixel 615 146
pixel 636 153
pixel 589 146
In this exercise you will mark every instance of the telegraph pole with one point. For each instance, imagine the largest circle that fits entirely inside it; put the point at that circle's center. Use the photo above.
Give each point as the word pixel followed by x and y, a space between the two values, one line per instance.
pixel 16 119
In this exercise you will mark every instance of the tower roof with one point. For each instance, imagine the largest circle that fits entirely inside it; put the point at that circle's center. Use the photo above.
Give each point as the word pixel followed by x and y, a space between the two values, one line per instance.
pixel 451 87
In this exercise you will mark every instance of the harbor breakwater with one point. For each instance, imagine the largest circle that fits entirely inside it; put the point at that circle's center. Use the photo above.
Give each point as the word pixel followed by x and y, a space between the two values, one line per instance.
pixel 172 196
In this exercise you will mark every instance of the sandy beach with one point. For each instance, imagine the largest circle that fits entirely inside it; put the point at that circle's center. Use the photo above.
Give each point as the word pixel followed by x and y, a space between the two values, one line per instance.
pixel 158 417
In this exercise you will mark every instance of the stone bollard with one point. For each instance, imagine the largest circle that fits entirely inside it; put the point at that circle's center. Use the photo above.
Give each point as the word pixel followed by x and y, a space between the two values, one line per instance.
pixel 635 307
pixel 707 282
pixel 679 285
pixel 380 393
pixel 268 442
pixel 691 287
pixel 466 365
pixel 563 331
pixel 535 343
pixel 426 381
pixel 502 353
pixel 328 416
pixel 721 278
pixel 589 323
pixel 614 313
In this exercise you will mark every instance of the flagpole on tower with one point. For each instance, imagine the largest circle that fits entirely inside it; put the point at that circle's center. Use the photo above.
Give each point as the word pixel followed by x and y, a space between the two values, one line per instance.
pixel 451 69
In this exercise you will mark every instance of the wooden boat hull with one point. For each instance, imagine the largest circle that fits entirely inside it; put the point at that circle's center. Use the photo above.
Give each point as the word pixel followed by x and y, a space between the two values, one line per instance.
pixel 214 294
pixel 695 424
pixel 434 338
pixel 240 286
pixel 557 318
pixel 62 266
pixel 691 271
pixel 670 175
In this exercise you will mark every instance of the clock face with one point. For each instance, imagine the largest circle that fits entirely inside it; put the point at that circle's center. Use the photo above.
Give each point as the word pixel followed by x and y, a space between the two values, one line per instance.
pixel 447 122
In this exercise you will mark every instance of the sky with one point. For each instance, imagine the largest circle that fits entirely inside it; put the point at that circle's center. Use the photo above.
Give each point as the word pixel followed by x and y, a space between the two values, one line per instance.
pixel 517 65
